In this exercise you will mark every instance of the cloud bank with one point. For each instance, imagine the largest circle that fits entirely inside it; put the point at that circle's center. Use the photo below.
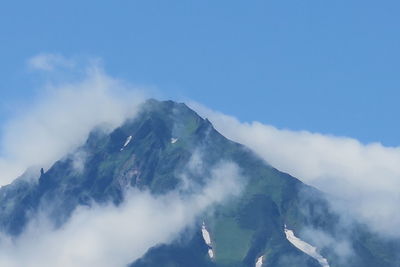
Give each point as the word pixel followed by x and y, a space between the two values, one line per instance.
pixel 62 117
pixel 365 176
pixel 58 123
pixel 116 236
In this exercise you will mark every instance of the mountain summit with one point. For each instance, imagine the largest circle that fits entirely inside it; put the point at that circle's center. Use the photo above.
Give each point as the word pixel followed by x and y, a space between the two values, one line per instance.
pixel 273 220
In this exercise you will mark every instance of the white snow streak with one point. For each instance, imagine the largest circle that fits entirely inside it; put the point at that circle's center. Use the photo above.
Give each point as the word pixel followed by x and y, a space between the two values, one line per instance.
pixel 206 234
pixel 207 239
pixel 128 140
pixel 259 261
pixel 210 253
pixel 305 247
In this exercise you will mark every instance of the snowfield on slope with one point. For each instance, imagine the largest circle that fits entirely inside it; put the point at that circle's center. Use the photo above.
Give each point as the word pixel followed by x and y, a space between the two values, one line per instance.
pixel 128 140
pixel 259 261
pixel 207 240
pixel 305 247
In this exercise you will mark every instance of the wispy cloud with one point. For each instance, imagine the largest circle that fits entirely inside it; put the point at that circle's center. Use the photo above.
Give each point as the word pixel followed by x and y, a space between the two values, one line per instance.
pixel 116 236
pixel 61 118
pixel 100 235
pixel 49 62
pixel 366 176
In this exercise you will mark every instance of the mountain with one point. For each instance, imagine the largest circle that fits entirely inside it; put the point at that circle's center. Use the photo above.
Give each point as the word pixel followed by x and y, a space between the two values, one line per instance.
pixel 263 226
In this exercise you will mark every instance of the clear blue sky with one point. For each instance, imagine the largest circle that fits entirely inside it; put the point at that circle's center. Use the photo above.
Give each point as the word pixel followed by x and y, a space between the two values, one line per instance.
pixel 326 66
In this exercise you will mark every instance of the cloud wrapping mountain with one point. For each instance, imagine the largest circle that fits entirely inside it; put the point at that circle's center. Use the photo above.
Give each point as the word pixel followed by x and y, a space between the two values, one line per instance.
pixel 363 179
pixel 62 117
pixel 107 235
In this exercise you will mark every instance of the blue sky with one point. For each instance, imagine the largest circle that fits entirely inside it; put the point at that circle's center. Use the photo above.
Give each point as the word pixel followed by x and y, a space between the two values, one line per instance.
pixel 324 66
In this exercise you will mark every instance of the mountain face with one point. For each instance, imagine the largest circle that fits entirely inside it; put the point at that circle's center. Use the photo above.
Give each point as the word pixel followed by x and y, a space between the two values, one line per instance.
pixel 262 226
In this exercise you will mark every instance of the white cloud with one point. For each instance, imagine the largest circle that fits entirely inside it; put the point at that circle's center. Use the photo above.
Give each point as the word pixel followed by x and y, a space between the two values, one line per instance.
pixel 339 246
pixel 367 176
pixel 49 62
pixel 115 236
pixel 61 119
pixel 57 124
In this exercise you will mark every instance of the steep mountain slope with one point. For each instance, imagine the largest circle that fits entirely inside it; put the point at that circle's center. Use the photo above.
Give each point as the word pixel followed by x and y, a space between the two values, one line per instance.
pixel 152 151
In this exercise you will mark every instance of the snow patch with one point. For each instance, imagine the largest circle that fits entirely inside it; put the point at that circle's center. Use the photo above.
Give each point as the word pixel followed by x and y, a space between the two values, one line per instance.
pixel 128 140
pixel 305 247
pixel 259 261
pixel 206 234
pixel 173 140
pixel 207 239
pixel 210 253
